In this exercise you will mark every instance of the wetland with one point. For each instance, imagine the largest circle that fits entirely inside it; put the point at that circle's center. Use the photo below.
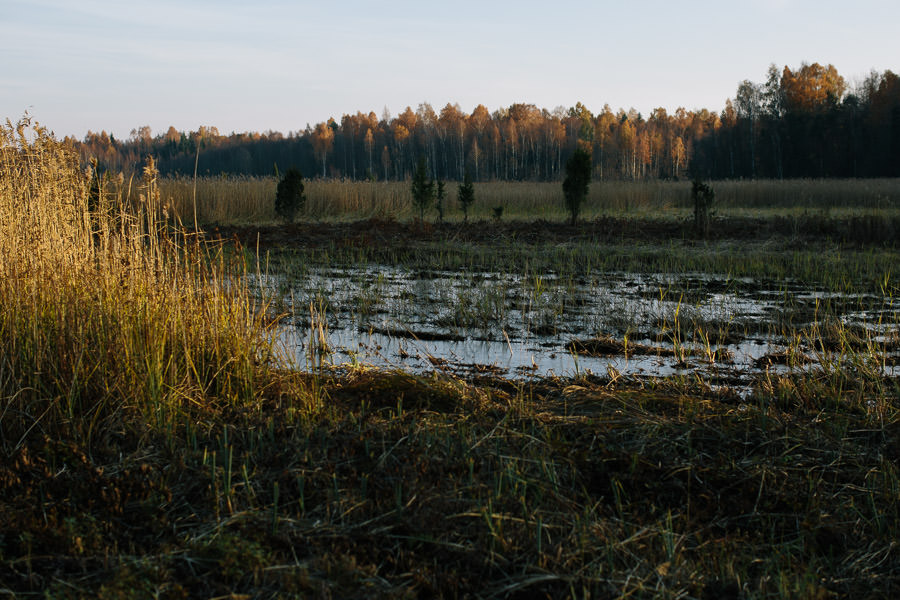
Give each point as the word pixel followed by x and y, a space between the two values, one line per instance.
pixel 384 408
pixel 608 298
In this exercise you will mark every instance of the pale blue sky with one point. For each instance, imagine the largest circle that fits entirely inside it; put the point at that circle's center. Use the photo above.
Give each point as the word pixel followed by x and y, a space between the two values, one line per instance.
pixel 79 65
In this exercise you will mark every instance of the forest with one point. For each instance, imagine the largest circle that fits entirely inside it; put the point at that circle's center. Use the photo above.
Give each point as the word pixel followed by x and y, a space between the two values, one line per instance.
pixel 801 123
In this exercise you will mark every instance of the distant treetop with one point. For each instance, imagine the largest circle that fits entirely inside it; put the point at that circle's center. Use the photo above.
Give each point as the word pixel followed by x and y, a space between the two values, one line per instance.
pixel 800 122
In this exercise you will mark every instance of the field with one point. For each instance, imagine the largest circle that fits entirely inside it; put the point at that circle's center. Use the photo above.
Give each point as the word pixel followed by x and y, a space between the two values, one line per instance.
pixel 331 408
pixel 239 200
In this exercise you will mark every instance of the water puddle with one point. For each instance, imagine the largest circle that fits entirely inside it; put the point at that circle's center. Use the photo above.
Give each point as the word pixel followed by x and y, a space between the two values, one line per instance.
pixel 725 329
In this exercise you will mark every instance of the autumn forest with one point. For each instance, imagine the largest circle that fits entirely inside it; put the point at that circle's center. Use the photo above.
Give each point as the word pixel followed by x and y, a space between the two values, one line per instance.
pixel 806 122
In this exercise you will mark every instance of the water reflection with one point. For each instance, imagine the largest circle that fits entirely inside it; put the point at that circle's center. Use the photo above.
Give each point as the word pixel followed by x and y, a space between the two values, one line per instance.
pixel 520 326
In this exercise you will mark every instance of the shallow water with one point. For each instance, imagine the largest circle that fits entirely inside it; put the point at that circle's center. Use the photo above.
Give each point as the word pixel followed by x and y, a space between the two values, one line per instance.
pixel 514 325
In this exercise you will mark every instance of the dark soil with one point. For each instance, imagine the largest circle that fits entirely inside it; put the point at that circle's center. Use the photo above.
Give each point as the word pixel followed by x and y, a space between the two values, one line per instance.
pixel 800 230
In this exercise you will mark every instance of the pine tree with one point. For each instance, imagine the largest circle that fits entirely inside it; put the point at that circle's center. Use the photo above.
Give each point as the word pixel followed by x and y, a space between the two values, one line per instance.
pixel 422 188
pixel 466 194
pixel 439 196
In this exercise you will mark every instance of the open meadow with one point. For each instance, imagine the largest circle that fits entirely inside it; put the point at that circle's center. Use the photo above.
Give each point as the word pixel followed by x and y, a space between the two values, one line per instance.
pixel 241 200
pixel 361 405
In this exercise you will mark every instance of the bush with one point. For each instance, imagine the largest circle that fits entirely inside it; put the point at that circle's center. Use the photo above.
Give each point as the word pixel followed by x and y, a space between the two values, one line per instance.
pixel 289 197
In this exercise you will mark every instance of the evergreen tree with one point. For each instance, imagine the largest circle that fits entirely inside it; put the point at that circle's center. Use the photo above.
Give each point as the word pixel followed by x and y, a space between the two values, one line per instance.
pixel 422 188
pixel 578 177
pixel 289 196
pixel 466 194
pixel 440 194
pixel 703 197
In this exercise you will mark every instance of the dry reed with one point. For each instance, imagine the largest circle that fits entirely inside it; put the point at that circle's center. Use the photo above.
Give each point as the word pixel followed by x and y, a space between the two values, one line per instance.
pixel 230 200
pixel 106 313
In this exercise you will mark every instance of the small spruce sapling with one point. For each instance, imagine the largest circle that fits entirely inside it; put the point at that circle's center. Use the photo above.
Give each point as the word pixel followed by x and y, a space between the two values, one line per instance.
pixel 439 196
pixel 466 194
pixel 703 197
pixel 422 188
pixel 578 178
pixel 289 198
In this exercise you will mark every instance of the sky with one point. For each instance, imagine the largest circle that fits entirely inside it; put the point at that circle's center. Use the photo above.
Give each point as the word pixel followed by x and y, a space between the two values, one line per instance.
pixel 275 65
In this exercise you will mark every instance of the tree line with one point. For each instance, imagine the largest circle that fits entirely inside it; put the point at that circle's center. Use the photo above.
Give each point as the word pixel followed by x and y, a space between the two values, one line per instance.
pixel 804 122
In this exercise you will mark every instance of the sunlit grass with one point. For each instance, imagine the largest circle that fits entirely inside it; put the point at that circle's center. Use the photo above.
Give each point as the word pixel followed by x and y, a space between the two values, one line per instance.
pixel 107 314
pixel 251 199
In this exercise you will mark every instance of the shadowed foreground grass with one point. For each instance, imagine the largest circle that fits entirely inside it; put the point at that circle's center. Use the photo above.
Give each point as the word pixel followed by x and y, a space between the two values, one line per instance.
pixel 385 484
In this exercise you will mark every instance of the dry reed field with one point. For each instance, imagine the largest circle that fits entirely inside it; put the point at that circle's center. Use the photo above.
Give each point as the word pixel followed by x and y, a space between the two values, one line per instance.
pixel 233 200
pixel 107 313
pixel 154 443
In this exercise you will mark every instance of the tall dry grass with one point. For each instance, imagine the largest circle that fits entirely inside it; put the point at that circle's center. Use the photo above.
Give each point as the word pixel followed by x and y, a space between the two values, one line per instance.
pixel 251 199
pixel 106 313
pixel 220 199
pixel 244 199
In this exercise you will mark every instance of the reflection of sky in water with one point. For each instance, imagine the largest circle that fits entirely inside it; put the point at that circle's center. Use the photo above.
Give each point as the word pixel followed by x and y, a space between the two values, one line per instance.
pixel 515 358
pixel 521 325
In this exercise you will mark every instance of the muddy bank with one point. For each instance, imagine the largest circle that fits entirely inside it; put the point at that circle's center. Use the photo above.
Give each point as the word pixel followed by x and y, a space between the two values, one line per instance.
pixel 804 229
